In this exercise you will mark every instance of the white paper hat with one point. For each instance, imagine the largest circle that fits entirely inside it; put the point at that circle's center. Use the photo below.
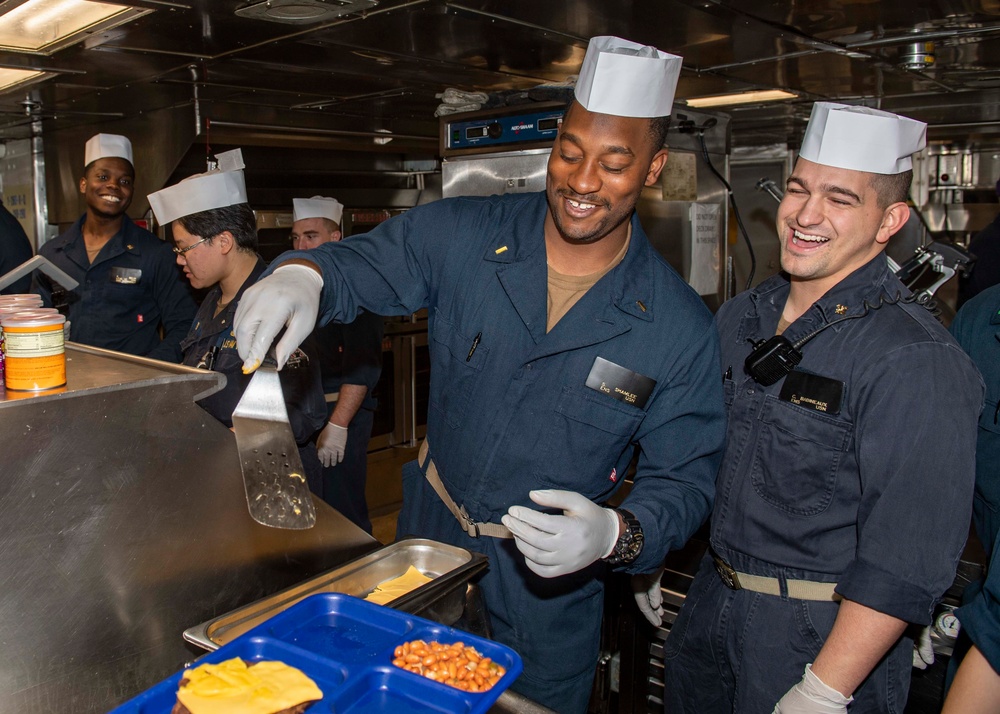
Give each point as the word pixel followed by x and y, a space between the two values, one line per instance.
pixel 107 146
pixel 627 79
pixel 221 187
pixel 317 207
pixel 861 139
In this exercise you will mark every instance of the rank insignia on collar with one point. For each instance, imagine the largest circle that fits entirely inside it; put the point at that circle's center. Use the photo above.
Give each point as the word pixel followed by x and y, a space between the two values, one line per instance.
pixel 841 309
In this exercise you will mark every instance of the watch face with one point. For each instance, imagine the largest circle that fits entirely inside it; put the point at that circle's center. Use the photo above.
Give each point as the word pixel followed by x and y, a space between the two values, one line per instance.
pixel 634 547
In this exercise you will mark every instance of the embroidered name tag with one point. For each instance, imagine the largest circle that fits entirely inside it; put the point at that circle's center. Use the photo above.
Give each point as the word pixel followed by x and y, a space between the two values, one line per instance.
pixel 812 391
pixel 620 383
pixel 126 276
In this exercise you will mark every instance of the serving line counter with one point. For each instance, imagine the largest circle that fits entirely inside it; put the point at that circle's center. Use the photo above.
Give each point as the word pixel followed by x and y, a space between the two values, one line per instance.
pixel 126 524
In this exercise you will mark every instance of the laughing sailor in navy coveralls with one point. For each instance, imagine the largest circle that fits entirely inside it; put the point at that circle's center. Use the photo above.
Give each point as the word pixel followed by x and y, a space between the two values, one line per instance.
pixel 559 342
pixel 844 496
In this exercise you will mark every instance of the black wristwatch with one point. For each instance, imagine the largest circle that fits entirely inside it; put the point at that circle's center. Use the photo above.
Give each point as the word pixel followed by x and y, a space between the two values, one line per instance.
pixel 629 543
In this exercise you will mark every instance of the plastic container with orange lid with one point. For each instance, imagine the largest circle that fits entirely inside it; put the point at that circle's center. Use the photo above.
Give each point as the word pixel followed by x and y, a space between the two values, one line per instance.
pixel 35 352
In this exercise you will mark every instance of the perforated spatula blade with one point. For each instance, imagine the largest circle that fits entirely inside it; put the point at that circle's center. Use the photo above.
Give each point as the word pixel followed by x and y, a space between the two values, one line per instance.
pixel 277 492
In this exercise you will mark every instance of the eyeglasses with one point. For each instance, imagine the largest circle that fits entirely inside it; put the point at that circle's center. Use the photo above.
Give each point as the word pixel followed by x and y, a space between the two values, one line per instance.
pixel 182 251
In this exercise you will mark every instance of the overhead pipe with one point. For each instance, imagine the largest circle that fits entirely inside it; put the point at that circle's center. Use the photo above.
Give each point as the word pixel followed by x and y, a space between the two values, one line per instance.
pixel 319 132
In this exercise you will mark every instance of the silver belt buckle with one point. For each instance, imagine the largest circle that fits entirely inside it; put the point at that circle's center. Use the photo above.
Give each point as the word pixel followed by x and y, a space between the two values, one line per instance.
pixel 472 528
pixel 726 572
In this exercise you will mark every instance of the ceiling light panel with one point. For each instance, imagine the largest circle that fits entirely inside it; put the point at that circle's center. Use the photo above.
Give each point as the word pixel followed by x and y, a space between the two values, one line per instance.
pixel 13 78
pixel 768 95
pixel 45 26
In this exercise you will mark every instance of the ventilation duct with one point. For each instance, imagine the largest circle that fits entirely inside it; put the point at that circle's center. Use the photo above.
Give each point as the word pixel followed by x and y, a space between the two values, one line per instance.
pixel 302 12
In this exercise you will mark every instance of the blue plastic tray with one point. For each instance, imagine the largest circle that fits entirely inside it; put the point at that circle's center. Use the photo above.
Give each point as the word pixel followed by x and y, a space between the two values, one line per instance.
pixel 346 646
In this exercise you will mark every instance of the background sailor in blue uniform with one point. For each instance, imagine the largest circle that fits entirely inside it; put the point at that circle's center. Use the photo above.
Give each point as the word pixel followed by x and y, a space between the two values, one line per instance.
pixel 977 329
pixel 215 237
pixel 129 285
pixel 350 362
pixel 844 495
pixel 15 249
pixel 512 423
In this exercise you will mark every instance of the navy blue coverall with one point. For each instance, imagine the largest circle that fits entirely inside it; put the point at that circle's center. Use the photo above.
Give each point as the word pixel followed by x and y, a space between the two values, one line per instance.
pixel 514 413
pixel 874 496
pixel 132 288
pixel 15 248
pixel 351 354
pixel 980 615
pixel 977 329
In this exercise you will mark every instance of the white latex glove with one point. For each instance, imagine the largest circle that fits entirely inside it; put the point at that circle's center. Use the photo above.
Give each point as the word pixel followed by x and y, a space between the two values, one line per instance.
pixel 558 545
pixel 923 650
pixel 331 443
pixel 812 696
pixel 649 596
pixel 289 296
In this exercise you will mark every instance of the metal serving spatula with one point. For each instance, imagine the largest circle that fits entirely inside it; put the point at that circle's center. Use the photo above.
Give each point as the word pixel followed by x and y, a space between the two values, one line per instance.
pixel 275 482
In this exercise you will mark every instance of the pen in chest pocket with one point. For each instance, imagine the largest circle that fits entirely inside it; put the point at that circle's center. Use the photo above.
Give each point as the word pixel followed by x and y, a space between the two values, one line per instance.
pixel 475 344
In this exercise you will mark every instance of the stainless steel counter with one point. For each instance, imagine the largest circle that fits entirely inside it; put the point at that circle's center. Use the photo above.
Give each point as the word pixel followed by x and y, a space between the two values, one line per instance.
pixel 125 522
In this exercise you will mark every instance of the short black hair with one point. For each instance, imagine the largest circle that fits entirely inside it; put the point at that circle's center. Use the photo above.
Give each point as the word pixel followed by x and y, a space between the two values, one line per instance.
pixel 658 127
pixel 891 188
pixel 238 220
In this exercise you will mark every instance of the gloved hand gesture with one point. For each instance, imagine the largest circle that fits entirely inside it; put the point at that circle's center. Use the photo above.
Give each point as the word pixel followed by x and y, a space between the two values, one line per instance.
pixel 558 545
pixel 331 444
pixel 812 696
pixel 923 650
pixel 649 596
pixel 289 296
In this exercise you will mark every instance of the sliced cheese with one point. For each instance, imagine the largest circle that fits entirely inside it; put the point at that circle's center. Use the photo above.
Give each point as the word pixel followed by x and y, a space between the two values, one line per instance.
pixel 232 686
pixel 397 587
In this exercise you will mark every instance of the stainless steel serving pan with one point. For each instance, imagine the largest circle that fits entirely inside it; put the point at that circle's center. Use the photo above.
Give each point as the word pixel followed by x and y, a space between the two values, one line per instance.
pixel 442 599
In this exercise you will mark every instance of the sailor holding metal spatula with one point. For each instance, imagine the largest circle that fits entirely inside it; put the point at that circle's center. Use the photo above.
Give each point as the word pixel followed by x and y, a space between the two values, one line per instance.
pixel 215 239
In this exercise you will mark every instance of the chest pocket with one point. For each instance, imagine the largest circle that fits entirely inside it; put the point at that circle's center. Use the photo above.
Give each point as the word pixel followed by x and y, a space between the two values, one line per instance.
pixel 593 430
pixel 797 457
pixel 455 368
pixel 728 391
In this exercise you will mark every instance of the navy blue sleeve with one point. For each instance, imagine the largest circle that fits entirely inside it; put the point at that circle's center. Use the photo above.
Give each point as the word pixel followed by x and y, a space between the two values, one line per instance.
pixel 15 248
pixel 980 618
pixel 917 474
pixel 681 448
pixel 362 360
pixel 388 271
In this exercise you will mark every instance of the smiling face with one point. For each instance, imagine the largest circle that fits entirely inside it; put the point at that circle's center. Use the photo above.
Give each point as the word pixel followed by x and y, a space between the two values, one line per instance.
pixel 830 224
pixel 307 233
pixel 596 171
pixel 107 187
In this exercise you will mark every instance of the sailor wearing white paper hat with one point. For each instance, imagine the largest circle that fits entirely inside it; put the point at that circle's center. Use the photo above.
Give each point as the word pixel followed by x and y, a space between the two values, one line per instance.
pixel 849 407
pixel 130 290
pixel 559 340
pixel 215 241
pixel 350 362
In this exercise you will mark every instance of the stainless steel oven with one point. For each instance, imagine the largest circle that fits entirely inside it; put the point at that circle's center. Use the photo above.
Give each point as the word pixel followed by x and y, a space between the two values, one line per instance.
pixel 401 416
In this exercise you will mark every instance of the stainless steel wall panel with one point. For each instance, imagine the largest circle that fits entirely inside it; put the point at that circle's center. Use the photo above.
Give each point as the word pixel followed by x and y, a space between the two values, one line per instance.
pixel 125 523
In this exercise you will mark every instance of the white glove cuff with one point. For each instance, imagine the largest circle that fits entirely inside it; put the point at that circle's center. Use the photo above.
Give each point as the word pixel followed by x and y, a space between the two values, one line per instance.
pixel 612 515
pixel 313 274
pixel 337 426
pixel 816 686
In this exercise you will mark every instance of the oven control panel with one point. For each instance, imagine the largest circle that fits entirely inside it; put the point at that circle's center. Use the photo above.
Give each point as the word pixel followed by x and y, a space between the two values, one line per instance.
pixel 489 132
